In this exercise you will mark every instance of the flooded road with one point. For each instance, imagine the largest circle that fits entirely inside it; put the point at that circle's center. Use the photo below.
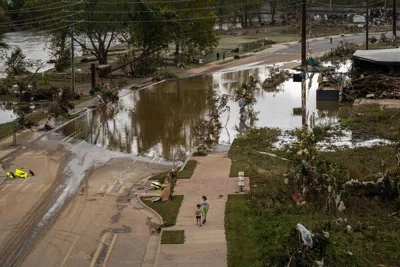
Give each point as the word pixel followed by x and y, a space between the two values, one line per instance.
pixel 158 121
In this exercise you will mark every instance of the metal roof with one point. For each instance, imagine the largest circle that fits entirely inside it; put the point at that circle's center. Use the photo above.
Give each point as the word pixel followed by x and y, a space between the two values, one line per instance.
pixel 380 55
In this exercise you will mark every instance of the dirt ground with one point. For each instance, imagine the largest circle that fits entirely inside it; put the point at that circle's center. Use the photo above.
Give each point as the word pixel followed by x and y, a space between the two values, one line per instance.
pixel 102 218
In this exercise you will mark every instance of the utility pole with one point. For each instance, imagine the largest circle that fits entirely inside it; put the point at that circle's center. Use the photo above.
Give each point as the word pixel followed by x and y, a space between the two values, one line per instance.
pixel 303 34
pixel 304 66
pixel 394 19
pixel 367 29
pixel 72 51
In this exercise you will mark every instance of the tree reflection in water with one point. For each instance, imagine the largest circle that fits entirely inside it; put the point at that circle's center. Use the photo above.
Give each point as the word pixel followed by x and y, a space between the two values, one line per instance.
pixel 155 122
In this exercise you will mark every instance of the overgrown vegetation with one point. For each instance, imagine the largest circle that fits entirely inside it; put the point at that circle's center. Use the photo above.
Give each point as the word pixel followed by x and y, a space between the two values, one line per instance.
pixel 168 210
pixel 262 227
pixel 371 121
pixel 186 173
pixel 341 52
pixel 7 129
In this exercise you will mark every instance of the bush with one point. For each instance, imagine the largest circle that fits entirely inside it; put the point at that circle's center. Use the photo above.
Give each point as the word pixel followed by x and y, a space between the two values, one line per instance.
pixel 16 64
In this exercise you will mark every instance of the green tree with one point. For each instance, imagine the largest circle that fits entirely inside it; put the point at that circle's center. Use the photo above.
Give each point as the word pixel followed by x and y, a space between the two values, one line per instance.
pixel 191 25
pixel 100 23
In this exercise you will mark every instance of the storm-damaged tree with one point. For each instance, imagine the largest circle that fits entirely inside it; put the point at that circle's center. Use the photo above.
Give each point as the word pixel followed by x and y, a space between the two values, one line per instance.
pixel 98 26
pixel 16 63
pixel 61 52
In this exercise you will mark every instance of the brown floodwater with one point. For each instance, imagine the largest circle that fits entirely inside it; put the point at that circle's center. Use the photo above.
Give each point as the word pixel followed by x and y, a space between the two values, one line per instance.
pixel 158 121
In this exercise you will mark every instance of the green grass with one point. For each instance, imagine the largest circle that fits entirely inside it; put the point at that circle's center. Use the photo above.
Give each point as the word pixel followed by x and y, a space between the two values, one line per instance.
pixel 242 250
pixel 168 210
pixel 370 121
pixel 7 129
pixel 186 173
pixel 9 98
pixel 173 237
pixel 260 227
pixel 362 162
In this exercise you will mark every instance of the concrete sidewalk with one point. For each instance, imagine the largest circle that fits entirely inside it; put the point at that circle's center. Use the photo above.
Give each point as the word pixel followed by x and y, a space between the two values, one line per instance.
pixel 206 245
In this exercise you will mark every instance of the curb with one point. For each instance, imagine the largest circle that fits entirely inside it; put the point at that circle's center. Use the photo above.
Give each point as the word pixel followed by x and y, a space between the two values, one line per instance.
pixel 156 237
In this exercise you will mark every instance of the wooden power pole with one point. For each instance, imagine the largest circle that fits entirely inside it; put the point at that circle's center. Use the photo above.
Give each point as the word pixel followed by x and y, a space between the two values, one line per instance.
pixel 304 66
pixel 304 34
pixel 72 51
pixel 367 28
pixel 394 16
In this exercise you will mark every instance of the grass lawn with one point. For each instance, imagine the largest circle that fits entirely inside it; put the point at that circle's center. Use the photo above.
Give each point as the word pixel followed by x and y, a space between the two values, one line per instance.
pixel 168 210
pixel 7 129
pixel 173 237
pixel 370 121
pixel 261 227
pixel 238 232
pixel 186 173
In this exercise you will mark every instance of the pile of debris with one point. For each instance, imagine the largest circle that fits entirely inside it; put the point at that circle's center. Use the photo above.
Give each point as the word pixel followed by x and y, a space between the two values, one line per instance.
pixel 376 86
pixel 271 83
pixel 277 77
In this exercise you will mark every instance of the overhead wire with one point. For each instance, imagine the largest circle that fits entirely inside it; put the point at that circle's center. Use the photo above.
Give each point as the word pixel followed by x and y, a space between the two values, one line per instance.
pixel 44 9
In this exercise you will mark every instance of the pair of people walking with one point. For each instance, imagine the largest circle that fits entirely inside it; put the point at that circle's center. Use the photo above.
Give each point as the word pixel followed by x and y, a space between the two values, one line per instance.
pixel 201 211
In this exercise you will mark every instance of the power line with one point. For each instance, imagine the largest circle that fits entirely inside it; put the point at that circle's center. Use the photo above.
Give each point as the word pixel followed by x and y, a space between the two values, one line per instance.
pixel 29 20
pixel 41 10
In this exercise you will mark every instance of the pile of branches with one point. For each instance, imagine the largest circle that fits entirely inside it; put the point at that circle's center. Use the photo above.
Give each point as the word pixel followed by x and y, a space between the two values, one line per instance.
pixel 381 86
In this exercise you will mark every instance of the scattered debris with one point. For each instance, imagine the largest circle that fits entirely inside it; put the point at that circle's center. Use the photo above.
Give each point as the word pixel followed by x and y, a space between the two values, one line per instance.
pixel 375 86
pixel 306 235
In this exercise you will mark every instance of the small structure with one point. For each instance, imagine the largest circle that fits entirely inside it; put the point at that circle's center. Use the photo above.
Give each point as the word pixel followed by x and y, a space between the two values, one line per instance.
pixel 241 181
pixel 382 60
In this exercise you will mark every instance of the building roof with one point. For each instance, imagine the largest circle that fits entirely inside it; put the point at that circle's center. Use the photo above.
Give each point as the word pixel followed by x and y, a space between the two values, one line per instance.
pixel 380 55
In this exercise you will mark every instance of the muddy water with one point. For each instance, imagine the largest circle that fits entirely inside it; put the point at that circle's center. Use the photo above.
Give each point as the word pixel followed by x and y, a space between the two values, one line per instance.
pixel 158 121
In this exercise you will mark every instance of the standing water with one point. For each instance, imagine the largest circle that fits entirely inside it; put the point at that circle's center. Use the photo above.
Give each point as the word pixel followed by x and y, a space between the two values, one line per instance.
pixel 159 121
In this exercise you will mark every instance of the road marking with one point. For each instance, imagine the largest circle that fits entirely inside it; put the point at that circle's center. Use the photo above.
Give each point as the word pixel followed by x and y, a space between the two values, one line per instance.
pixel 69 251
pixel 26 187
pixel 45 188
pixel 18 187
pixel 5 187
pixel 111 188
pixel 4 197
pixel 122 190
pixel 97 254
pixel 101 189
pixel 110 248
pixel 38 188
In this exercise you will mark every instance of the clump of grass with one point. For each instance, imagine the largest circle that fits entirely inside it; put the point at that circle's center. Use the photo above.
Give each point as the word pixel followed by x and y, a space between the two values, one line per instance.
pixel 370 121
pixel 186 173
pixel 173 237
pixel 168 210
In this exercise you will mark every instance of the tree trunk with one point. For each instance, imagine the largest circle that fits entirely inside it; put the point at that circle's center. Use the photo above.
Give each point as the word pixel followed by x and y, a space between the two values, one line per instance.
pixel 242 21
pixel 176 52
pixel 273 13
pixel 251 22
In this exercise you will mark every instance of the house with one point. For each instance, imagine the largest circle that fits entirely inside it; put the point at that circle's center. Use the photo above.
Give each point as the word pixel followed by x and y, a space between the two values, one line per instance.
pixel 381 60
